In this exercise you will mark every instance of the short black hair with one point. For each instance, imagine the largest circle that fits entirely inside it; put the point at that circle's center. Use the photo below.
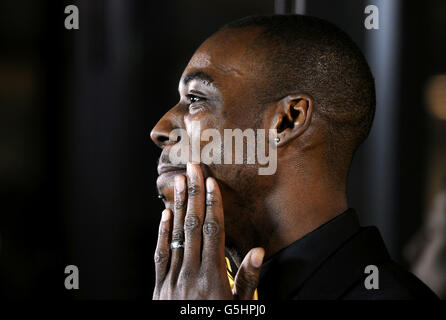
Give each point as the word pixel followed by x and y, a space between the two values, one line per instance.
pixel 310 55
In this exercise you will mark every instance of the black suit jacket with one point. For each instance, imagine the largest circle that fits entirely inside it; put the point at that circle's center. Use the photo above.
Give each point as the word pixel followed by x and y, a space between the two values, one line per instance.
pixel 330 262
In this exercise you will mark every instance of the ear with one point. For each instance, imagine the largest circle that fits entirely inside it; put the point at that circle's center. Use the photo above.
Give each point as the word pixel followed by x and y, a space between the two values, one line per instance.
pixel 293 116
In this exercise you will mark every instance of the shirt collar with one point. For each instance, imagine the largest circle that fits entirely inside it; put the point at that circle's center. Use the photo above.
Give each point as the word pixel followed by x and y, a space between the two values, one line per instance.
pixel 286 271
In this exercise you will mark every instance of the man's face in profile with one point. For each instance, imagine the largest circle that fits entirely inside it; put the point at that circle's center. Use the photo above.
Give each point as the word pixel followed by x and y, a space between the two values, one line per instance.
pixel 305 81
pixel 218 90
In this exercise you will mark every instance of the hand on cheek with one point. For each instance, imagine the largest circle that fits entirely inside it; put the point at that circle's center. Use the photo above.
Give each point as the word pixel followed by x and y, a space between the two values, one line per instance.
pixel 190 254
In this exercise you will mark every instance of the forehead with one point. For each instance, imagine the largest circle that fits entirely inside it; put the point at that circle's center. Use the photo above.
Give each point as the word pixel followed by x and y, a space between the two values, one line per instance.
pixel 224 55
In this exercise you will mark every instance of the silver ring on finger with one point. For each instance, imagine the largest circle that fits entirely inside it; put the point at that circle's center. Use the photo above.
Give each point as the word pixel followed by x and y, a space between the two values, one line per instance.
pixel 177 245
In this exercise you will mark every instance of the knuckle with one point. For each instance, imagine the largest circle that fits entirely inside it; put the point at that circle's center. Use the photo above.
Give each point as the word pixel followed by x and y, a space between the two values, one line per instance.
pixel 211 200
pixel 193 189
pixel 164 231
pixel 211 228
pixel 185 275
pixel 191 222
pixel 161 256
pixel 178 235
pixel 179 204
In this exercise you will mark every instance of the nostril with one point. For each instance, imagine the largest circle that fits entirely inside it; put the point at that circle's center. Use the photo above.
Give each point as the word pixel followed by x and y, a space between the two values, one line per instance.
pixel 162 139
pixel 159 138
pixel 166 131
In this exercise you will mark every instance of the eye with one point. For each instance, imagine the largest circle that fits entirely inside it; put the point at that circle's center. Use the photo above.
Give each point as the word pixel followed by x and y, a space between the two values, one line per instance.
pixel 193 98
pixel 195 103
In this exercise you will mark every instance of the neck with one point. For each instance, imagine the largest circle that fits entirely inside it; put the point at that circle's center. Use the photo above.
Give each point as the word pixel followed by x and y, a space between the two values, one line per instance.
pixel 305 204
pixel 299 203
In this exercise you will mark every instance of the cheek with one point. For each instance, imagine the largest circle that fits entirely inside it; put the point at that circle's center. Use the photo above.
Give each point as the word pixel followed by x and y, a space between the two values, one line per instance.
pixel 195 124
pixel 239 114
pixel 238 178
pixel 201 131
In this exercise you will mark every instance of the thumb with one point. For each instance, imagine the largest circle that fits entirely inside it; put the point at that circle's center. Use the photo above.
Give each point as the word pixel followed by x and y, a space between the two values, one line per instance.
pixel 247 277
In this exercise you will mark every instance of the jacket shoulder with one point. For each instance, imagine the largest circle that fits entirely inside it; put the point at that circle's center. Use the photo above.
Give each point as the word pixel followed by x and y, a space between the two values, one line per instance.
pixel 394 283
pixel 343 274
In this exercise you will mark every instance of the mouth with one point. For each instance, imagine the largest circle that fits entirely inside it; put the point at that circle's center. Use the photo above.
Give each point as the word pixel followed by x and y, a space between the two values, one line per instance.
pixel 169 170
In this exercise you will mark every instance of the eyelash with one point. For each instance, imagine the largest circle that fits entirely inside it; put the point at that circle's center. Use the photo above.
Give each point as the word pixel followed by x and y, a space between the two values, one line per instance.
pixel 198 107
pixel 193 96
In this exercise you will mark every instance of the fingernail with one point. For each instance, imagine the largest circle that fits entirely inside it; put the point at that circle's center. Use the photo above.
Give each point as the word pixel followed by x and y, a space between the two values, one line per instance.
pixel 210 185
pixel 165 215
pixel 257 257
pixel 190 169
pixel 179 183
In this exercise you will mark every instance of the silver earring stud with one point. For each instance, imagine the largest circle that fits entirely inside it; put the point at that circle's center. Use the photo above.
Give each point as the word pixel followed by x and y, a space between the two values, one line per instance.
pixel 277 140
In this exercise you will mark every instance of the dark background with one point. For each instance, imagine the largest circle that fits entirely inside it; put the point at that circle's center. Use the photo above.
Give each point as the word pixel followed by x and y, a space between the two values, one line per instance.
pixel 77 167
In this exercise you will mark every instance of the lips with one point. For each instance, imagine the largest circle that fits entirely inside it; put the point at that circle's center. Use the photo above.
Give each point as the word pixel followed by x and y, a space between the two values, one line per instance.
pixel 171 169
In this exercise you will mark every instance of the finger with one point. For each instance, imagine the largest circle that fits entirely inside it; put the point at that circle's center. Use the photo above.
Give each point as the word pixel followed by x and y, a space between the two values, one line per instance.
pixel 162 251
pixel 247 277
pixel 194 217
pixel 178 223
pixel 213 228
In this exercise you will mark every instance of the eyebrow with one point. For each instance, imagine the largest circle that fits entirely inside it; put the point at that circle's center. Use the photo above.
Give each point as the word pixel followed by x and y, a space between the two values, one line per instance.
pixel 203 77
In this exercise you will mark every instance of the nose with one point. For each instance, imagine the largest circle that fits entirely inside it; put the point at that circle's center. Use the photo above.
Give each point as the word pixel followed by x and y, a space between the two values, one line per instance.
pixel 160 133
